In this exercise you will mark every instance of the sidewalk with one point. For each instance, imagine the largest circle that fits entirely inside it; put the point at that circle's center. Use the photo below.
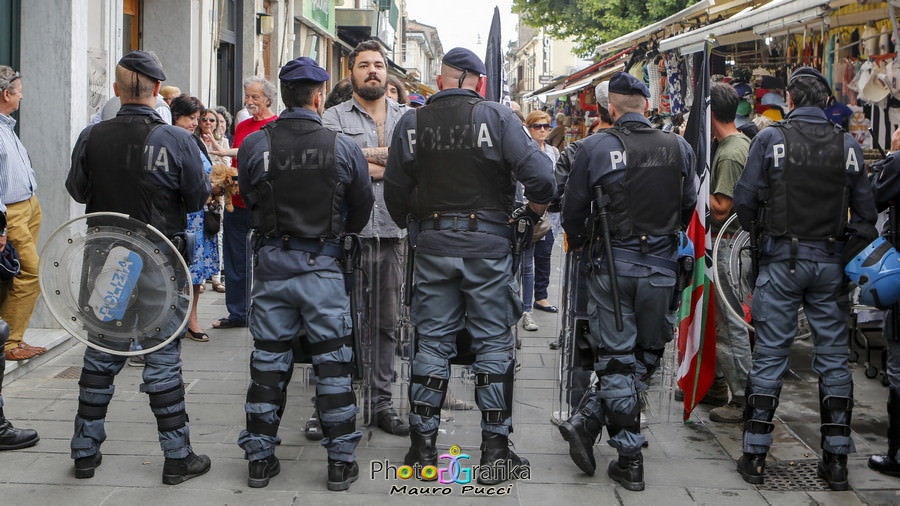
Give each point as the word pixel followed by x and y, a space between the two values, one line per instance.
pixel 692 463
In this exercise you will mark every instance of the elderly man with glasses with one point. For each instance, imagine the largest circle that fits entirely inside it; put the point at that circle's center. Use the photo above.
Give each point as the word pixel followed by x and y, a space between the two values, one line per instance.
pixel 23 217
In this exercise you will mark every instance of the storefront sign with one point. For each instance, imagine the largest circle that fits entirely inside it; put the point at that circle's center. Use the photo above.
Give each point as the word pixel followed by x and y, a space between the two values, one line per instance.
pixel 321 13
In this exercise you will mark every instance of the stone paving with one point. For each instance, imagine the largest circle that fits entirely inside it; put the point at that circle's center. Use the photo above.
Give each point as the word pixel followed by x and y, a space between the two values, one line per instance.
pixel 685 463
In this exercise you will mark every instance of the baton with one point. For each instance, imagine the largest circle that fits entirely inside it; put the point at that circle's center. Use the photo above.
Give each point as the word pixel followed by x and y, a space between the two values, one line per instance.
pixel 602 201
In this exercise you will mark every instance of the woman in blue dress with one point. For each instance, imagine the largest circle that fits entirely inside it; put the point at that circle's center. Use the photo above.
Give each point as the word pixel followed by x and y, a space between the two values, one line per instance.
pixel 186 113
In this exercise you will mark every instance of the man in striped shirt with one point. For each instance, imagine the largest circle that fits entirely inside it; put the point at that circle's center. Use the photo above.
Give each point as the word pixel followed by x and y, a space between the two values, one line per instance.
pixel 23 215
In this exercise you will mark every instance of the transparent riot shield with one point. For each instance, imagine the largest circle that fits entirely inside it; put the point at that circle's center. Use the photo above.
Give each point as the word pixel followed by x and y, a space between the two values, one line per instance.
pixel 115 283
pixel 732 275
pixel 575 361
pixel 385 378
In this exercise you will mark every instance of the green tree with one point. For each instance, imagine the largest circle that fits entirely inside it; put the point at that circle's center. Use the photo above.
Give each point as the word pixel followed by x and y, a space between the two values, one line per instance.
pixel 593 22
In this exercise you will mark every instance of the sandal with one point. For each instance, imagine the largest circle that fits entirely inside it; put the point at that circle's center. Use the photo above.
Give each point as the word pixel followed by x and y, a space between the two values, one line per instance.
pixel 200 337
pixel 226 323
pixel 218 286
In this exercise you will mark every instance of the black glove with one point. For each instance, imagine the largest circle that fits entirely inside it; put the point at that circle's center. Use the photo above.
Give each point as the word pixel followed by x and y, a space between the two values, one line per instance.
pixel 555 206
pixel 526 212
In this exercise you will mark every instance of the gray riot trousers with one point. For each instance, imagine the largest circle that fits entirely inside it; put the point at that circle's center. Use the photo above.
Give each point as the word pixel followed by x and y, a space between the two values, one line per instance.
pixel 162 382
pixel 480 295
pixel 380 259
pixel 892 371
pixel 317 303
pixel 645 302
pixel 733 356
pixel 776 301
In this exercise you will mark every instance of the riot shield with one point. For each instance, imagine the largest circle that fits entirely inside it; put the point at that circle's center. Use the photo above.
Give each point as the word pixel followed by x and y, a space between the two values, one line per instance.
pixel 576 359
pixel 380 280
pixel 732 275
pixel 115 283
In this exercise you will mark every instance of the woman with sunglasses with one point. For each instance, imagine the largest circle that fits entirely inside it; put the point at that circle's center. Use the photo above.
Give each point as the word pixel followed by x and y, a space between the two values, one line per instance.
pixel 209 123
pixel 536 261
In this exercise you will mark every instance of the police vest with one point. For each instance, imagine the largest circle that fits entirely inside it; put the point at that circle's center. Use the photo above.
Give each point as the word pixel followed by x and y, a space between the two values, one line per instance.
pixel 809 201
pixel 120 174
pixel 647 200
pixel 453 173
pixel 301 194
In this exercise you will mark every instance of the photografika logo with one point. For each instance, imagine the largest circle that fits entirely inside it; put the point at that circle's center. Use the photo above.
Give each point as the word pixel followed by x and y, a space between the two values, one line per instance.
pixel 452 469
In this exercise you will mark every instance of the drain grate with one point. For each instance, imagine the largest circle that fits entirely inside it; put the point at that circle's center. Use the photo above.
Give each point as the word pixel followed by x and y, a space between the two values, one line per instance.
pixel 793 476
pixel 69 373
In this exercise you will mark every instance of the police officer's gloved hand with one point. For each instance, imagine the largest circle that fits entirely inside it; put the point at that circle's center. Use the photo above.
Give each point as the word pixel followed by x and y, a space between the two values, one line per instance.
pixel 525 212
pixel 555 206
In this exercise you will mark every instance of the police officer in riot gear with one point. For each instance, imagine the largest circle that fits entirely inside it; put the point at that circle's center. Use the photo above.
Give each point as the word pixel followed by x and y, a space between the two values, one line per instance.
pixel 645 177
pixel 886 187
pixel 138 165
pixel 799 178
pixel 451 180
pixel 306 187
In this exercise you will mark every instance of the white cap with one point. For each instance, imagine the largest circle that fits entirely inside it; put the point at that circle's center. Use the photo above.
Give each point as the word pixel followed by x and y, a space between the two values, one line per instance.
pixel 601 91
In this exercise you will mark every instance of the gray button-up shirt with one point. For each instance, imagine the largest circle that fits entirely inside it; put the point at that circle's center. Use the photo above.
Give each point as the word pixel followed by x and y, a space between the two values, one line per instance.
pixel 350 119
pixel 17 181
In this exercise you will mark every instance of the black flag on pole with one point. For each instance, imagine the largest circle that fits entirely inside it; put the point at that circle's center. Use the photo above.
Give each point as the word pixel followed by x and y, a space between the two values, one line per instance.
pixel 493 61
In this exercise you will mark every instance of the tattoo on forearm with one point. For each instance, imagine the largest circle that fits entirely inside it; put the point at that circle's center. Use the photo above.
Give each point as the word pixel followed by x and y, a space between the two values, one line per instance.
pixel 377 156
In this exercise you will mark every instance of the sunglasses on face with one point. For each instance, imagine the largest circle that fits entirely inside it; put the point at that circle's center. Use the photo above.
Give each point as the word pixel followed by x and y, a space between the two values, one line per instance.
pixel 539 126
pixel 209 120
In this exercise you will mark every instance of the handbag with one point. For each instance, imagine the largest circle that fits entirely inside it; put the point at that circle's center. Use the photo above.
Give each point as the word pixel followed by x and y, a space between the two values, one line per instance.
pixel 10 266
pixel 541 228
pixel 212 218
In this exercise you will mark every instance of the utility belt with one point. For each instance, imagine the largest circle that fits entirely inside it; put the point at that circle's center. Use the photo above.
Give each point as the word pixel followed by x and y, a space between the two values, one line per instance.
pixel 315 247
pixel 468 223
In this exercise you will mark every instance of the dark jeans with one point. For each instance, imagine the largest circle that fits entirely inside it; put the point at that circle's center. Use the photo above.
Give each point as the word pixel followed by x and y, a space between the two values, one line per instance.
pixel 543 249
pixel 235 227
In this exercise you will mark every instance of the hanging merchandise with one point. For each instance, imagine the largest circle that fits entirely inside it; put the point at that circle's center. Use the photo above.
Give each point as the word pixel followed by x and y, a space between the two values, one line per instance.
pixel 675 83
pixel 665 105
pixel 654 75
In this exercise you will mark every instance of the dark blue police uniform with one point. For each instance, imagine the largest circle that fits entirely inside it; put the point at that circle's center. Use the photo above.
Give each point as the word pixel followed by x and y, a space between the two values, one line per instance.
pixel 172 168
pixel 305 186
pixel 886 186
pixel 450 179
pixel 645 255
pixel 799 178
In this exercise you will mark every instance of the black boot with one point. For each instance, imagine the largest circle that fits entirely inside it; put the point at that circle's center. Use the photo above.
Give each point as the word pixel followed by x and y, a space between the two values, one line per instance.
pixel 261 470
pixel 498 462
pixel 422 451
pixel 628 471
pixel 833 469
pixel 887 464
pixel 581 431
pixel 341 474
pixel 85 466
pixel 177 471
pixel 752 467
pixel 12 438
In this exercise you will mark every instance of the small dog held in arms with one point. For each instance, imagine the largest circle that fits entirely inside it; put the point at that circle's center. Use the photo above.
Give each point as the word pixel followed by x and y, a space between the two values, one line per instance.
pixel 225 177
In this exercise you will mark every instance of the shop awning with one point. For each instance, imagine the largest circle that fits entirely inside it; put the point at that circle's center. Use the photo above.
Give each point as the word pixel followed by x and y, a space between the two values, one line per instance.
pixel 578 85
pixel 777 11
pixel 634 37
